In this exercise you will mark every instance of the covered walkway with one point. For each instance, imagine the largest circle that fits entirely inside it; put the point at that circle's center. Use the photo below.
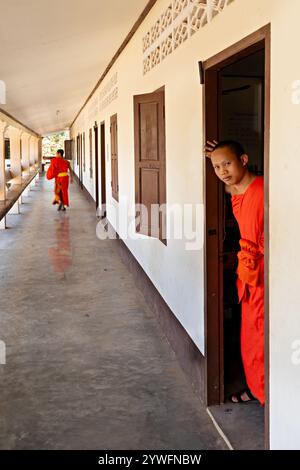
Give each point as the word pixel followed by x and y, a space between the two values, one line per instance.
pixel 87 366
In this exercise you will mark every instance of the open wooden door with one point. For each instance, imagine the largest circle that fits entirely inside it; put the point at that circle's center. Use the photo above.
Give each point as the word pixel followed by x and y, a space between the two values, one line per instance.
pixel 114 156
pixel 103 170
pixel 96 165
pixel 215 230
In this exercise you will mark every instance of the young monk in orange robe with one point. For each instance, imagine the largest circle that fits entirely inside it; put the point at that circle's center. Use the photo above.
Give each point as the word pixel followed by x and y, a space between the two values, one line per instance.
pixel 58 169
pixel 247 190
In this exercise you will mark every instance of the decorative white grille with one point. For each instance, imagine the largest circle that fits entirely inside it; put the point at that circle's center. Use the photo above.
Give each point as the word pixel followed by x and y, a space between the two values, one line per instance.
pixel 155 57
pixel 180 20
pixel 109 98
pixel 108 87
pixel 181 33
pixel 178 6
pixel 166 18
pixel 109 93
pixel 147 64
pixel 167 46
pixel 155 32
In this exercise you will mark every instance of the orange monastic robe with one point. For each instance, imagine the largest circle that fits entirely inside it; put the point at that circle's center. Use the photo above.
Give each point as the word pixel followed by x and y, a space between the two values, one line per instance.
pixel 248 209
pixel 58 169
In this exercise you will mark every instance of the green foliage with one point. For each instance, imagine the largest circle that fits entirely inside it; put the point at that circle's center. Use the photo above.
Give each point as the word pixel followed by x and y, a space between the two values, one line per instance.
pixel 53 142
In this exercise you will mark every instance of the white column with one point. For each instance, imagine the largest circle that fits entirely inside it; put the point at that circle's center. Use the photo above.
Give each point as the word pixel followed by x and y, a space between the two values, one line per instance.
pixel 37 150
pixel 32 152
pixel 25 151
pixel 15 154
pixel 25 161
pixel 40 152
pixel 3 126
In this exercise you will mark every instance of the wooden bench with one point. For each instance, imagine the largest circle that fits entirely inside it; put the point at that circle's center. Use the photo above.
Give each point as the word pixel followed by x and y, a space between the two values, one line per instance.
pixel 13 194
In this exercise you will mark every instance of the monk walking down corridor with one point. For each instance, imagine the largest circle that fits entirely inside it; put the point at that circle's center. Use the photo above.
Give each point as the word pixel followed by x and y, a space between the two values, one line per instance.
pixel 60 169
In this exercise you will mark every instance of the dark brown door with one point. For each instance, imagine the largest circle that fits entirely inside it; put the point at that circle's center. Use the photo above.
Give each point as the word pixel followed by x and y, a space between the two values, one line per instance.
pixel 81 161
pixel 214 201
pixel 103 170
pixel 114 157
pixel 96 165
pixel 77 151
pixel 68 149
pixel 150 162
pixel 91 152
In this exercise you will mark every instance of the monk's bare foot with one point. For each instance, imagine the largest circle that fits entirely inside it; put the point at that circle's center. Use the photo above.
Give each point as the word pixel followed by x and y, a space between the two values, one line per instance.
pixel 242 397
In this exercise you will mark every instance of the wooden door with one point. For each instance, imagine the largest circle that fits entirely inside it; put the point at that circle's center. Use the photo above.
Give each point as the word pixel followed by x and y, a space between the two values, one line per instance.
pixel 81 161
pixel 214 226
pixel 96 165
pixel 68 149
pixel 103 171
pixel 114 157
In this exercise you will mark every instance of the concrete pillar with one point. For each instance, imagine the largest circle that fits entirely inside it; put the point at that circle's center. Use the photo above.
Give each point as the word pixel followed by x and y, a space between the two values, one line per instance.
pixel 39 150
pixel 32 152
pixel 25 152
pixel 3 126
pixel 35 150
pixel 15 154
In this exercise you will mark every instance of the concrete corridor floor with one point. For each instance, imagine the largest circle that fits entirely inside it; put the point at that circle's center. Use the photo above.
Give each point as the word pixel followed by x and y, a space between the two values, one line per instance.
pixel 87 366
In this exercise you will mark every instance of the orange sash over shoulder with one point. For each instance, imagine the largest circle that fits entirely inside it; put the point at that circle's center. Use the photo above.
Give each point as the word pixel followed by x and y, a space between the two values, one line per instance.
pixel 249 265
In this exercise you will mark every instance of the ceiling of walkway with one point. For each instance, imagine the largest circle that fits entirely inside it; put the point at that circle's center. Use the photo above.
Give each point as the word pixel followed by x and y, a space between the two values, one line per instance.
pixel 53 52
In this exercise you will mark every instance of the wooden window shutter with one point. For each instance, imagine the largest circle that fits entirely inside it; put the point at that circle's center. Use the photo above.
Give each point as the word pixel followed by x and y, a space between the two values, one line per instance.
pixel 68 149
pixel 91 152
pixel 114 157
pixel 150 163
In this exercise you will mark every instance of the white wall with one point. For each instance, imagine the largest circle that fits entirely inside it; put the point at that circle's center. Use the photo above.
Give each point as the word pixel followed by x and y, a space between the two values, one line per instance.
pixel 177 273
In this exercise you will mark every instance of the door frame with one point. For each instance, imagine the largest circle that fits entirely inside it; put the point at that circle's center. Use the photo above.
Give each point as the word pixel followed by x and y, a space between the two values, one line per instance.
pixel 214 373
pixel 103 168
pixel 81 160
pixel 96 140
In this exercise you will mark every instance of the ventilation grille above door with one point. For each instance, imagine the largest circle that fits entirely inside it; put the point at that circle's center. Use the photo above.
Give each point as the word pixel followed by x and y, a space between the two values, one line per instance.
pixel 181 20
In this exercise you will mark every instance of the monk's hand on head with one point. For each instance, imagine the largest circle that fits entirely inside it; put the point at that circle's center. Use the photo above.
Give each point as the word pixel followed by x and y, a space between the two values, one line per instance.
pixel 209 147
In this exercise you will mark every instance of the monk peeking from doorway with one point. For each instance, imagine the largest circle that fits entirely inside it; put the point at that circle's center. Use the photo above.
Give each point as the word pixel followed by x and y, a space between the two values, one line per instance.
pixel 58 169
pixel 230 163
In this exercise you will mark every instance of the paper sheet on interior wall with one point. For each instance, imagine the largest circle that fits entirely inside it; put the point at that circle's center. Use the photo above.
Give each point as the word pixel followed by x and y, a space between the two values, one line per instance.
pixel 180 21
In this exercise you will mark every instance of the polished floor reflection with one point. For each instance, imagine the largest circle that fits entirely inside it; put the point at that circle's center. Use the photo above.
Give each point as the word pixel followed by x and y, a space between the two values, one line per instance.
pixel 87 366
pixel 60 254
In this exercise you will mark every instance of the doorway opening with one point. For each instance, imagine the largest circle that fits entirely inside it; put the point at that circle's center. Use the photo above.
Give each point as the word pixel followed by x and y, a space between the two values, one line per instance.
pixel 96 165
pixel 237 87
pixel 241 104
pixel 79 160
pixel 103 171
